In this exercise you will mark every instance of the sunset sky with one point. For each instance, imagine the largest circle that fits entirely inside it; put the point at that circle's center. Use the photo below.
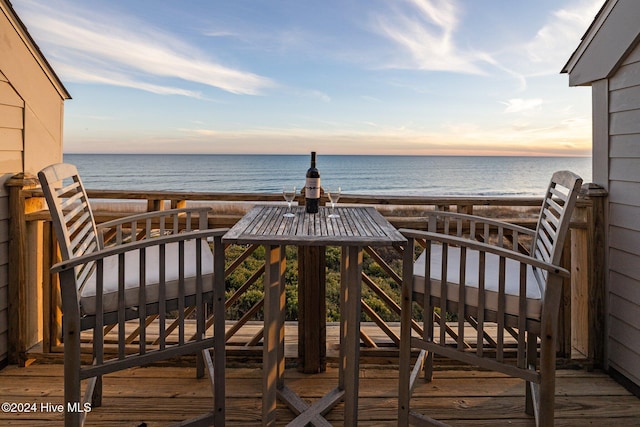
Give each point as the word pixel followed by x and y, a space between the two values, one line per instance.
pixel 455 77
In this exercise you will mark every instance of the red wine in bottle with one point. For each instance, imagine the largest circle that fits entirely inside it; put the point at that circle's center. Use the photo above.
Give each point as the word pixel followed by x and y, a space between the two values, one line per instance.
pixel 312 190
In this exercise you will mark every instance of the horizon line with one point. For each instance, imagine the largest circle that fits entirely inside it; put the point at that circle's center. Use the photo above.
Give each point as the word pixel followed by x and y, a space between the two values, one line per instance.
pixel 327 154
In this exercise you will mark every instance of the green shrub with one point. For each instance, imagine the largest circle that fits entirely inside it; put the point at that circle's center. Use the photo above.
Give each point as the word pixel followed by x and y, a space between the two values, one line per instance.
pixel 333 257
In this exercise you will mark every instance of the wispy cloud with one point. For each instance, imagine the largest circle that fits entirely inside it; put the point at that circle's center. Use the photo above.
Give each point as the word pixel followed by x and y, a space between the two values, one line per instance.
pixel 549 49
pixel 425 33
pixel 94 73
pixel 425 30
pixel 518 105
pixel 115 50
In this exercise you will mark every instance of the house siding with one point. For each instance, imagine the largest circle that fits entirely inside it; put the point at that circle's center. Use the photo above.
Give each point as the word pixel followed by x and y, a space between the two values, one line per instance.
pixel 11 148
pixel 31 122
pixel 623 218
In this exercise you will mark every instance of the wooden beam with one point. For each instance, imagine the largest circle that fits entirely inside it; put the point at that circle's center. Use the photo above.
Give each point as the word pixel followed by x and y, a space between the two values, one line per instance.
pixel 24 319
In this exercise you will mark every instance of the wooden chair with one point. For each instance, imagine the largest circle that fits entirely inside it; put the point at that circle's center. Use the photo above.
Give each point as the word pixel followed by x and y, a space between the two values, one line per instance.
pixel 477 272
pixel 158 267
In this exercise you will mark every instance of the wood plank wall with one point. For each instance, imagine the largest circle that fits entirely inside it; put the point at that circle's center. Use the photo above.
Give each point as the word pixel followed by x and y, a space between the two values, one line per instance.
pixel 11 148
pixel 624 218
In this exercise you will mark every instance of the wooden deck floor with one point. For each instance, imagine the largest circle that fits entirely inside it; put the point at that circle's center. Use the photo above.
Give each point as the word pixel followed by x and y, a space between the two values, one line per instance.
pixel 158 395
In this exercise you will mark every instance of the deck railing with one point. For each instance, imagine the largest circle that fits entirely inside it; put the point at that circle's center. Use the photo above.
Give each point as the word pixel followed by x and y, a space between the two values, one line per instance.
pixel 35 316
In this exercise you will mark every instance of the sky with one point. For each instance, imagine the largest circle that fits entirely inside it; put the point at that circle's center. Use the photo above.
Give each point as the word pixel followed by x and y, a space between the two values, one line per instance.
pixel 389 77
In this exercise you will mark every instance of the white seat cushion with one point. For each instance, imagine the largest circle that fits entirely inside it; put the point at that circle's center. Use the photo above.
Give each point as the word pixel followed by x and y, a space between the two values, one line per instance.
pixel 512 280
pixel 132 277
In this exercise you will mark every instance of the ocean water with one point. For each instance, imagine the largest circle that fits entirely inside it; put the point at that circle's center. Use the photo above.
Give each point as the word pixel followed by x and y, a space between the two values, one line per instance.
pixel 389 175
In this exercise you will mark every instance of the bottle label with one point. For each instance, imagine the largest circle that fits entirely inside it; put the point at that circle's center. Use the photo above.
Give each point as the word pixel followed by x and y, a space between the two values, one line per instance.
pixel 312 188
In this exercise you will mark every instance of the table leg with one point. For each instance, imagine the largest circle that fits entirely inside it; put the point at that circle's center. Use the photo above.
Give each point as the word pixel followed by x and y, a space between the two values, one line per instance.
pixel 273 350
pixel 350 292
pixel 312 310
pixel 404 389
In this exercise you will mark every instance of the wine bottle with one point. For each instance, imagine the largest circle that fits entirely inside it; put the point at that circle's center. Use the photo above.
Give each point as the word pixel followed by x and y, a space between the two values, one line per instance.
pixel 312 187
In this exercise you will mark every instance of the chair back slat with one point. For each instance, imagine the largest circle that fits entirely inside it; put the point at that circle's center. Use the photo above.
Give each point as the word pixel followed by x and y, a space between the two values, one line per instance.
pixel 71 214
pixel 553 222
pixel 83 239
pixel 84 272
pixel 545 246
pixel 83 219
pixel 75 198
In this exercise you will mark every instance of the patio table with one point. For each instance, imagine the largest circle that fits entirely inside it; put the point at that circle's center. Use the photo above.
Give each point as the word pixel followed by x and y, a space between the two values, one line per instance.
pixel 355 228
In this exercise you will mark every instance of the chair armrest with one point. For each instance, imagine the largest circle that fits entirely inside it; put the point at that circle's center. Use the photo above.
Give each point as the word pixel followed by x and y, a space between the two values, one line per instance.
pixel 484 247
pixel 139 244
pixel 151 215
pixel 490 221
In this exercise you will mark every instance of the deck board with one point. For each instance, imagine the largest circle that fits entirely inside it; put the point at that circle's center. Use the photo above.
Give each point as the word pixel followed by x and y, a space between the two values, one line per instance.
pixel 460 397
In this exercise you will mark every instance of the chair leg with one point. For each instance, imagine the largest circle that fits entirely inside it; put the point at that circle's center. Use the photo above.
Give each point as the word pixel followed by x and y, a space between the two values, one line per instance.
pixel 95 393
pixel 404 390
pixel 532 356
pixel 200 365
pixel 546 403
pixel 428 336
pixel 96 396
pixel 428 367
pixel 71 373
pixel 404 363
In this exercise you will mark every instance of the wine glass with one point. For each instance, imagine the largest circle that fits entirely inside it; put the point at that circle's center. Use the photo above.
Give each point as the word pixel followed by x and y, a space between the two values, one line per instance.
pixel 289 193
pixel 334 196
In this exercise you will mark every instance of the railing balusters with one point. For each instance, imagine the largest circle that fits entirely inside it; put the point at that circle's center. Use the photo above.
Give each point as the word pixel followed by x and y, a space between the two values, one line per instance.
pixel 134 231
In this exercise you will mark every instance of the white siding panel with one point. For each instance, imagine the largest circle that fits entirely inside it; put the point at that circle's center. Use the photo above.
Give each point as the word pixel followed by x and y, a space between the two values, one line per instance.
pixel 4 192
pixel 4 252
pixel 10 139
pixel 625 169
pixel 625 263
pixel 4 339
pixel 4 206
pixel 11 117
pixel 4 281
pixel 4 230
pixel 625 99
pixel 625 287
pixel 627 76
pixel 625 216
pixel 625 145
pixel 629 192
pixel 624 122
pixel 633 57
pixel 4 327
pixel 8 95
pixel 625 239
pixel 624 361
pixel 625 333
pixel 10 164
pixel 627 312
pixel 4 292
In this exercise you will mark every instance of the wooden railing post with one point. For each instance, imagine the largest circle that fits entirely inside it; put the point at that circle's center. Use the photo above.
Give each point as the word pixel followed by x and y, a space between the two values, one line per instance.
pixel 178 204
pixel 52 315
pixel 596 252
pixel 25 274
pixel 566 320
pixel 155 205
